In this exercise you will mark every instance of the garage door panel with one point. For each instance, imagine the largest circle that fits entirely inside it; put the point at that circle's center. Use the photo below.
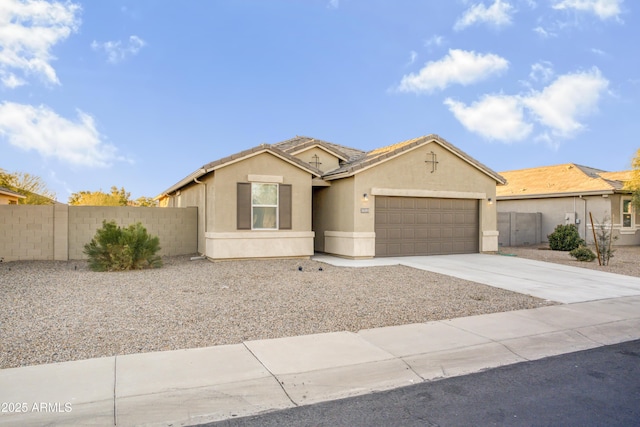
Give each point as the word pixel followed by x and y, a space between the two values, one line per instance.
pixel 425 226
pixel 394 203
pixel 409 218
pixel 394 218
pixel 435 218
pixel 394 234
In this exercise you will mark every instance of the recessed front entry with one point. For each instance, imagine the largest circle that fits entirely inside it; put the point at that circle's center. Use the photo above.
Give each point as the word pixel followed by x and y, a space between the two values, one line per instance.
pixel 407 226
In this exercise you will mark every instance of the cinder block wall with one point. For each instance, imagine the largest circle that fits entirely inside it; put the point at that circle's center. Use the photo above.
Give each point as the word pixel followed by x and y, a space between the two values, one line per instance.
pixel 26 232
pixel 176 227
pixel 60 231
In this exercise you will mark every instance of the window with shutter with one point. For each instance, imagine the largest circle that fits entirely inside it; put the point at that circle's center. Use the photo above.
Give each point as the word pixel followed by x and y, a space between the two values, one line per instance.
pixel 264 206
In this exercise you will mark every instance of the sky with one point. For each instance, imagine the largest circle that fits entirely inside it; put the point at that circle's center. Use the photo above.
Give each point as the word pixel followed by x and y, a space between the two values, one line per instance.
pixel 140 93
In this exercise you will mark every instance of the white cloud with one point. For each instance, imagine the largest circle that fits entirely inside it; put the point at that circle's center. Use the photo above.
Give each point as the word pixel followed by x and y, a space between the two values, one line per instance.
pixel 544 33
pixel 498 15
pixel 333 4
pixel 11 81
pixel 117 51
pixel 497 117
pixel 413 55
pixel 434 40
pixel 41 129
pixel 28 31
pixel 604 9
pixel 541 72
pixel 569 98
pixel 458 67
pixel 558 109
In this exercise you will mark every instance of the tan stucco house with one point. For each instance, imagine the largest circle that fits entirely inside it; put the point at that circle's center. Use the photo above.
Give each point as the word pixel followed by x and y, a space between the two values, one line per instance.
pixel 9 197
pixel 304 195
pixel 567 194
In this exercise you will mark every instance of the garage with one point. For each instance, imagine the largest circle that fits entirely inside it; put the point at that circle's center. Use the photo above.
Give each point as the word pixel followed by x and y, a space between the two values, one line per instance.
pixel 406 226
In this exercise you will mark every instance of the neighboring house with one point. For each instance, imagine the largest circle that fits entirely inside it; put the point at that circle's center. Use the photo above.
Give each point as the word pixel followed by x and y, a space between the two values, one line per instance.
pixel 304 195
pixel 9 197
pixel 567 194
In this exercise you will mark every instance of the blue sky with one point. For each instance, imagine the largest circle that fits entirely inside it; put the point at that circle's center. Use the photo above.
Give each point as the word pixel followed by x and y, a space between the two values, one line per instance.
pixel 140 93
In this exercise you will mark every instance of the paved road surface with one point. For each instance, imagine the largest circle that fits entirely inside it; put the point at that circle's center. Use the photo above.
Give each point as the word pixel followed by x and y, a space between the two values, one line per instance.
pixel 599 387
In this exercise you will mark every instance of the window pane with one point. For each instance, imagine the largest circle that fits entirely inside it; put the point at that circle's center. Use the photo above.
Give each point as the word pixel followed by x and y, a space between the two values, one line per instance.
pixel 626 220
pixel 626 206
pixel 264 218
pixel 265 194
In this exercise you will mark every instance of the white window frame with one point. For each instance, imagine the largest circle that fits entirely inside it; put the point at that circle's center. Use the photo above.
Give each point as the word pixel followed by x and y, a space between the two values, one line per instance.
pixel 277 219
pixel 631 213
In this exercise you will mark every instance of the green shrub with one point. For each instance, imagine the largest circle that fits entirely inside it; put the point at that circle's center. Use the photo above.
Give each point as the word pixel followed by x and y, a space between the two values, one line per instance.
pixel 114 248
pixel 565 238
pixel 582 253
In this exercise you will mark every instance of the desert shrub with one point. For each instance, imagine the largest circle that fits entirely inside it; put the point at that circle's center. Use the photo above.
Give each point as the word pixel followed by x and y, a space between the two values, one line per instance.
pixel 565 238
pixel 582 253
pixel 604 238
pixel 114 248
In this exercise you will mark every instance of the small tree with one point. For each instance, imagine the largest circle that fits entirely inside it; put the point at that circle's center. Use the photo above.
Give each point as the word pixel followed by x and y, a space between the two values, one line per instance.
pixel 565 238
pixel 99 198
pixel 604 238
pixel 31 186
pixel 114 248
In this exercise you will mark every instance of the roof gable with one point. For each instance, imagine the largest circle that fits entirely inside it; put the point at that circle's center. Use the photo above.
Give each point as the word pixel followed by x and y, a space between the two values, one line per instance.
pixel 564 179
pixel 300 143
pixel 379 155
pixel 238 157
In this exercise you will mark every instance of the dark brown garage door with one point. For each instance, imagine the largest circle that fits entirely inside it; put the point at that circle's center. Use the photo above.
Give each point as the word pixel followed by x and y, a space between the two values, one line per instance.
pixel 425 226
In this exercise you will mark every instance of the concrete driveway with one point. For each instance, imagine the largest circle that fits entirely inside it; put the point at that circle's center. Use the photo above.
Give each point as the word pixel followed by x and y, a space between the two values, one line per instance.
pixel 555 282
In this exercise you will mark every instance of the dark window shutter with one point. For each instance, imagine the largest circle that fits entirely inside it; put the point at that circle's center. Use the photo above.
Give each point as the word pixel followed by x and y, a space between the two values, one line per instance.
pixel 284 205
pixel 244 206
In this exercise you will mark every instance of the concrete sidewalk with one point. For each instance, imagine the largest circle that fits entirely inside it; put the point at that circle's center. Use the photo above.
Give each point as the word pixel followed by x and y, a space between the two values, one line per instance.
pixel 198 385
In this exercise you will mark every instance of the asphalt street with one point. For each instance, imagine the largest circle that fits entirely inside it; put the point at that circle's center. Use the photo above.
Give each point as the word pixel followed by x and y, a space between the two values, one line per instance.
pixel 598 387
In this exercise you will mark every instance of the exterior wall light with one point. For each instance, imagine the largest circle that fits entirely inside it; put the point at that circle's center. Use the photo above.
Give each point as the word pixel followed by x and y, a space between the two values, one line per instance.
pixel 365 197
pixel 490 200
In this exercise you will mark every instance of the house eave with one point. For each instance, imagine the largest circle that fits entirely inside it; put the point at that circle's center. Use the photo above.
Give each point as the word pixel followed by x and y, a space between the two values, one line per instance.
pixel 556 195
pixel 183 182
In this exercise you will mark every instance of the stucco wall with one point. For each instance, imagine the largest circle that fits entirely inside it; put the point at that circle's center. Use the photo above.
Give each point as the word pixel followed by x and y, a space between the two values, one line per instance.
pixel 554 212
pixel 195 194
pixel 328 162
pixel 226 180
pixel 59 232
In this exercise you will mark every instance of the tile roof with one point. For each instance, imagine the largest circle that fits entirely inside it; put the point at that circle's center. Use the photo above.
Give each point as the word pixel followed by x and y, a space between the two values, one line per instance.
pixel 5 190
pixel 352 159
pixel 568 178
pixel 216 164
pixel 380 154
pixel 299 143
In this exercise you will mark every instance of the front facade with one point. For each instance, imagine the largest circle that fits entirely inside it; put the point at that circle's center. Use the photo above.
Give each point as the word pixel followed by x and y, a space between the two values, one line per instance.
pixel 572 194
pixel 419 197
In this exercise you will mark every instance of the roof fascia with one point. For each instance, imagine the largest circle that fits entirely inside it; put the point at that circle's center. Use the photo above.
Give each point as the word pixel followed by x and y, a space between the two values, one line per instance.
pixel 408 150
pixel 556 195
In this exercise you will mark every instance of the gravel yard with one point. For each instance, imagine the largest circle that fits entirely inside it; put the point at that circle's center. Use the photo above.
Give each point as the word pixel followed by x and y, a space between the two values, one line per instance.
pixel 59 311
